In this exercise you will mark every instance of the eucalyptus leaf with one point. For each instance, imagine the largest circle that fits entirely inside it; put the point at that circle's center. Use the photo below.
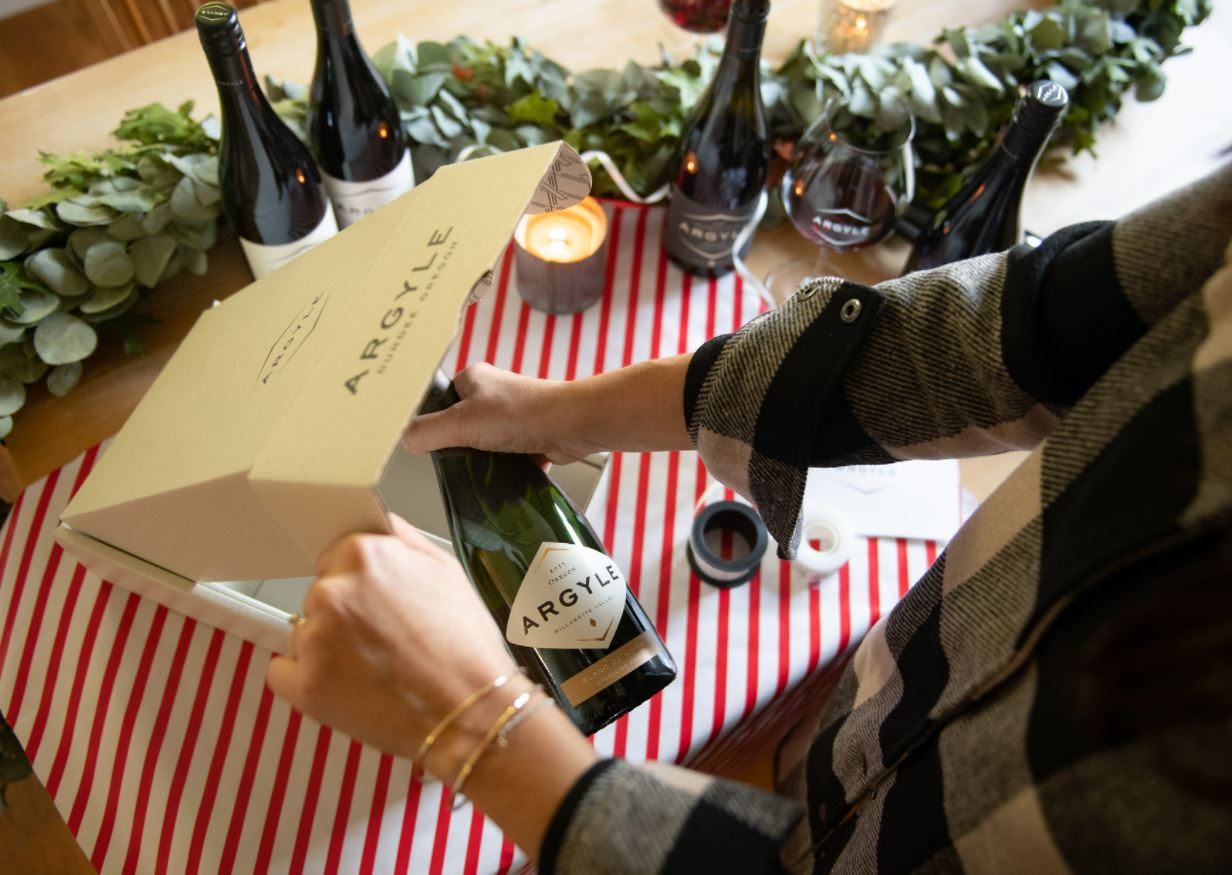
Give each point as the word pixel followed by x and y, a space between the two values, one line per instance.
pixel 107 298
pixel 201 235
pixel 921 84
pixel 892 112
pixel 41 218
pixel 134 200
pixel 186 205
pixel 421 90
pixel 432 55
pixel 1151 85
pixel 55 268
pixel 13 240
pixel 63 379
pixel 80 241
pixel 156 219
pixel 127 228
pixel 35 305
pixel 12 396
pixel 207 195
pixel 11 332
pixel 18 364
pixel 448 126
pixel 157 172
pixel 862 103
pixel 62 339
pixel 83 215
pixel 423 130
pixel 107 263
pixel 113 313
pixel 195 261
pixel 1047 34
pixel 150 257
pixel 974 71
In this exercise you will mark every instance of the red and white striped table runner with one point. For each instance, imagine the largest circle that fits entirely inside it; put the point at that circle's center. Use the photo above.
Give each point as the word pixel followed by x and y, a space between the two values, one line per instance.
pixel 164 751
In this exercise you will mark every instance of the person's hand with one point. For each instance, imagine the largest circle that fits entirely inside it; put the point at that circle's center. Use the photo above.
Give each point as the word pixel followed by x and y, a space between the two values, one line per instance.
pixel 507 413
pixel 393 637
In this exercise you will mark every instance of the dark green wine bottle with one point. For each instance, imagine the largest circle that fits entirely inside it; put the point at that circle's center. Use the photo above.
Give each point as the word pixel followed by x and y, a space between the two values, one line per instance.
pixel 568 615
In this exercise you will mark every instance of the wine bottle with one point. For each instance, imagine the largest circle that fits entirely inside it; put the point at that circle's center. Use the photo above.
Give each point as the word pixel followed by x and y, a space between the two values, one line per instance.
pixel 271 189
pixel 985 215
pixel 724 152
pixel 354 123
pixel 564 606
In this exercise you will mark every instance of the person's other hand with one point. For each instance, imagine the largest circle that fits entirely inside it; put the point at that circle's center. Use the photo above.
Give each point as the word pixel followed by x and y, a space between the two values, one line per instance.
pixel 507 413
pixel 393 638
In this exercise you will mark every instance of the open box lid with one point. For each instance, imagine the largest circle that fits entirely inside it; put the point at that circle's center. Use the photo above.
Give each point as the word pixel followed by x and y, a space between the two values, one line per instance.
pixel 262 440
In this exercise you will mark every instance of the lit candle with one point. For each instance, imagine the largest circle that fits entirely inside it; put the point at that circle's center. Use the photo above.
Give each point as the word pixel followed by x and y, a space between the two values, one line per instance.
pixel 852 25
pixel 560 257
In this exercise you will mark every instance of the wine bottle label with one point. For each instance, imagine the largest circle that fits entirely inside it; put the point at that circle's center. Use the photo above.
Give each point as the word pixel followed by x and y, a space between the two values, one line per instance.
pixel 354 200
pixel 265 259
pixel 571 597
pixel 598 676
pixel 701 235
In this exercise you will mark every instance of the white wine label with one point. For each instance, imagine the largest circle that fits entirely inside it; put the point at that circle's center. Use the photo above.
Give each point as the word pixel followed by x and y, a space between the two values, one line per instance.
pixel 571 597
pixel 354 200
pixel 265 259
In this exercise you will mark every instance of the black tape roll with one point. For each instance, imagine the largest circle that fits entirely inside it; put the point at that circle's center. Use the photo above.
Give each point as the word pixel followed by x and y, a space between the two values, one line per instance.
pixel 727 516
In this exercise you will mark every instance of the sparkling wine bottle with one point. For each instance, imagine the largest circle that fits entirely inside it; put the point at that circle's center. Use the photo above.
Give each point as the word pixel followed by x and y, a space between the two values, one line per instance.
pixel 985 215
pixel 353 121
pixel 564 606
pixel 723 155
pixel 271 189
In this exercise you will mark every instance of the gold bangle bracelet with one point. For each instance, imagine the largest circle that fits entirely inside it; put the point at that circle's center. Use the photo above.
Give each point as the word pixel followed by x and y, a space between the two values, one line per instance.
pixel 502 738
pixel 431 738
pixel 464 772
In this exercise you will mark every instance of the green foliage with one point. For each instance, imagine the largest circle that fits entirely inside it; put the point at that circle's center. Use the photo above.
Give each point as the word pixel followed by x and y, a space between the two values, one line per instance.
pixel 118 223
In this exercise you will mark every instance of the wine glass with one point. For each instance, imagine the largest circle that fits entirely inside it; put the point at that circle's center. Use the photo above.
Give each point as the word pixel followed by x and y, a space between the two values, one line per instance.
pixel 843 190
pixel 697 16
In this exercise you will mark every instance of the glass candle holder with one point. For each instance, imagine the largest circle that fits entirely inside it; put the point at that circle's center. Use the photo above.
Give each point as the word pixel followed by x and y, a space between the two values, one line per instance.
pixel 852 25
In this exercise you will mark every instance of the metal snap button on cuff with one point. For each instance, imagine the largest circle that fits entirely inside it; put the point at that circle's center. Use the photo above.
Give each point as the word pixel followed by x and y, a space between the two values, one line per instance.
pixel 851 310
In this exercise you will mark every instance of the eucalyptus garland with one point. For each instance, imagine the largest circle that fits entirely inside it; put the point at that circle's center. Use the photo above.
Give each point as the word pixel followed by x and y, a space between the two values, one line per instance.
pixel 117 224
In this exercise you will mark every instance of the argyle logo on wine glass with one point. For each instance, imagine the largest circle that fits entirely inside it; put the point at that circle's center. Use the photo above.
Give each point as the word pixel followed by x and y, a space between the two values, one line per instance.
pixel 571 597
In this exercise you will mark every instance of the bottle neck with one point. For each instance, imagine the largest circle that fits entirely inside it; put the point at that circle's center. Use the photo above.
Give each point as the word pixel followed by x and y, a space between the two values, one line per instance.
pixel 333 19
pixel 239 95
pixel 746 29
pixel 1022 145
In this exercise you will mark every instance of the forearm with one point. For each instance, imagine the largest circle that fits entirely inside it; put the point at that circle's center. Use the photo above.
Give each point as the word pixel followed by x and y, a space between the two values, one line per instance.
pixel 635 409
pixel 521 786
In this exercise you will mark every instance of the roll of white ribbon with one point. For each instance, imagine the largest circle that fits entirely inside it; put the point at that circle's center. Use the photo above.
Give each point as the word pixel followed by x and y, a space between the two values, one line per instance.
pixel 829 529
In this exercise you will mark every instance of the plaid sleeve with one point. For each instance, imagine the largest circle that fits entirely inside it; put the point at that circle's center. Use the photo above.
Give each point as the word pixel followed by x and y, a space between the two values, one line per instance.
pixel 620 818
pixel 976 357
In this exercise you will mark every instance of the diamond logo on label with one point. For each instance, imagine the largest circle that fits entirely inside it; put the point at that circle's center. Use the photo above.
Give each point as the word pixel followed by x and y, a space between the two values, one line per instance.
pixel 571 597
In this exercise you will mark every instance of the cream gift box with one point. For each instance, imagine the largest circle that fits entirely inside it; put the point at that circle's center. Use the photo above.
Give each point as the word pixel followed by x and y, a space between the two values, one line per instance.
pixel 274 429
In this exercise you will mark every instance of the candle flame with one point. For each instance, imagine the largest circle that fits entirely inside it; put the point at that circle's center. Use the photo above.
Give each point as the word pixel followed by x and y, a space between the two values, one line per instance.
pixel 861 23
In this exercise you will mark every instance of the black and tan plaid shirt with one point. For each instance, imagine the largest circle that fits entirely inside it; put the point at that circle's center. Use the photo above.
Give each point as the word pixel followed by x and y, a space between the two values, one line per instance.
pixel 1055 694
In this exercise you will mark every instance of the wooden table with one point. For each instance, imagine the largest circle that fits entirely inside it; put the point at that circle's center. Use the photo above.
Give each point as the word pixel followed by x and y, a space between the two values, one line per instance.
pixel 1152 149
